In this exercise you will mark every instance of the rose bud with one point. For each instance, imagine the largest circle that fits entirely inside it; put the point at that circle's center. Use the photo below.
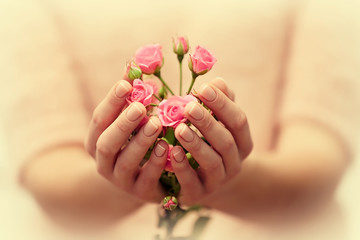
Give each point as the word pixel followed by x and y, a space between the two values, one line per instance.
pixel 171 111
pixel 141 92
pixel 162 92
pixel 180 45
pixel 201 61
pixel 149 58
pixel 170 203
pixel 133 71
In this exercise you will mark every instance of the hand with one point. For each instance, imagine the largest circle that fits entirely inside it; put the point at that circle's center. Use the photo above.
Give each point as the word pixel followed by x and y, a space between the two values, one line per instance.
pixel 230 142
pixel 117 159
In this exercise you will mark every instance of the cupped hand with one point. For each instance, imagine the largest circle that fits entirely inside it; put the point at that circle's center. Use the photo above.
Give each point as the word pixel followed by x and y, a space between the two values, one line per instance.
pixel 229 139
pixel 117 158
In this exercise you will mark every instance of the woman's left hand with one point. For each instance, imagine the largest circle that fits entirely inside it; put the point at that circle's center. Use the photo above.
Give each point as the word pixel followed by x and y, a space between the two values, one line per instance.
pixel 229 138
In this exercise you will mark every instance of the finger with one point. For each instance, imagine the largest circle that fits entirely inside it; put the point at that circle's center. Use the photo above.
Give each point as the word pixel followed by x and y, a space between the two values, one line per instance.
pixel 230 115
pixel 125 74
pixel 128 161
pixel 211 165
pixel 148 178
pixel 115 136
pixel 191 186
pixel 222 86
pixel 218 136
pixel 106 112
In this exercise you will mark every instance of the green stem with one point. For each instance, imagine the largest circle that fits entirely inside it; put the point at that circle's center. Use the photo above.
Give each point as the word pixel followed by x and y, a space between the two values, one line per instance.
pixel 180 58
pixel 158 98
pixel 180 78
pixel 194 76
pixel 163 82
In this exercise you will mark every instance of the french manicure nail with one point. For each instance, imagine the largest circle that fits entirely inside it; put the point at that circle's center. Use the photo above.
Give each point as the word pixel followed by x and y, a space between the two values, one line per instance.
pixel 133 113
pixel 150 128
pixel 208 93
pixel 196 112
pixel 122 89
pixel 159 150
pixel 179 155
pixel 186 133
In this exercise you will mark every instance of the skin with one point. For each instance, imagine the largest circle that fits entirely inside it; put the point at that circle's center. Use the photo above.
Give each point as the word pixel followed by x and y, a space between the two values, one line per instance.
pixel 224 180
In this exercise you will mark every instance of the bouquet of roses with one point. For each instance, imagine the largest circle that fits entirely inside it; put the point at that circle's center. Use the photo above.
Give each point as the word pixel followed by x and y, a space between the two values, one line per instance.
pixel 169 108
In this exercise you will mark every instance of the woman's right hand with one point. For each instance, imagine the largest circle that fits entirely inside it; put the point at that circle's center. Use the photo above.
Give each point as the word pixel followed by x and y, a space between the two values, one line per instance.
pixel 117 159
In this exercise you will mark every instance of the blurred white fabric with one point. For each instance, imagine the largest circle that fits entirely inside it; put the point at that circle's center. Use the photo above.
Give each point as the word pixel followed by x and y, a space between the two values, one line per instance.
pixel 21 218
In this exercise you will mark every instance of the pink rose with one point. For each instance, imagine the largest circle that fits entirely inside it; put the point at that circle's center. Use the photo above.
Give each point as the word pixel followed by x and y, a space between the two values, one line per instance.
pixel 180 45
pixel 168 166
pixel 201 61
pixel 141 92
pixel 171 110
pixel 153 82
pixel 149 58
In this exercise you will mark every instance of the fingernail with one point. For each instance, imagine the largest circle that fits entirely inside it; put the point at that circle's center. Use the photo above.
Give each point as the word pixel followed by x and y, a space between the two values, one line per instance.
pixel 221 79
pixel 122 89
pixel 134 112
pixel 196 112
pixel 159 149
pixel 179 155
pixel 186 133
pixel 150 128
pixel 207 92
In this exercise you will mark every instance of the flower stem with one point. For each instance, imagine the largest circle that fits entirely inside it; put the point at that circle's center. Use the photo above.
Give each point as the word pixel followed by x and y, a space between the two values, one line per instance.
pixel 163 82
pixel 157 97
pixel 180 58
pixel 194 76
pixel 180 78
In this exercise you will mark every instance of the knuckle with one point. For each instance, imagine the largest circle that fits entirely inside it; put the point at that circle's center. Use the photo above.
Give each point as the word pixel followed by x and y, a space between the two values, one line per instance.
pixel 98 119
pixel 221 102
pixel 123 166
pixel 101 148
pixel 196 144
pixel 227 143
pixel 206 124
pixel 122 125
pixel 214 165
pixel 240 120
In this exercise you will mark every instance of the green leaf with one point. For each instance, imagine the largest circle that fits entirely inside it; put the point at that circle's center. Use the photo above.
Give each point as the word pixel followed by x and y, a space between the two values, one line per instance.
pixel 170 136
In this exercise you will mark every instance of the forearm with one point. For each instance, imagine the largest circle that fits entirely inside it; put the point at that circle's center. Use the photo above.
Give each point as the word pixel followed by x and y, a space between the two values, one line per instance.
pixel 299 174
pixel 65 183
